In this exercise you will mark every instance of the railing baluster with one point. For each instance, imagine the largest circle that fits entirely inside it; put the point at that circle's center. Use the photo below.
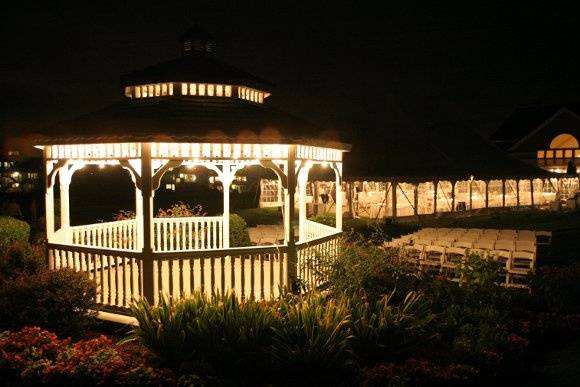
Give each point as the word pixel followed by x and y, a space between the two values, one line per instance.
pixel 261 262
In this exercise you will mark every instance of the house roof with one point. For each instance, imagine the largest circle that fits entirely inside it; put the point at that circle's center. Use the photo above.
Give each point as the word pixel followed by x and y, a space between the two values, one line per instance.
pixel 524 120
pixel 186 119
pixel 423 154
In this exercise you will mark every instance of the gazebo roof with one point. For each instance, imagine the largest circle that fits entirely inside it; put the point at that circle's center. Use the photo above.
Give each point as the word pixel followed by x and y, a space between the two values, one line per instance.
pixel 198 67
pixel 160 106
pixel 186 119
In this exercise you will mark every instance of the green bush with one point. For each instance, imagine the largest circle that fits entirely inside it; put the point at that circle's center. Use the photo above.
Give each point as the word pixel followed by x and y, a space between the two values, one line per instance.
pixel 313 341
pixel 220 336
pixel 386 331
pixel 12 229
pixel 364 268
pixel 21 258
pixel 239 236
pixel 256 216
pixel 62 301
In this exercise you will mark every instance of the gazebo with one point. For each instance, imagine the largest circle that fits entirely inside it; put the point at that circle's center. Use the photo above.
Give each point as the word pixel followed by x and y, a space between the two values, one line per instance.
pixel 192 111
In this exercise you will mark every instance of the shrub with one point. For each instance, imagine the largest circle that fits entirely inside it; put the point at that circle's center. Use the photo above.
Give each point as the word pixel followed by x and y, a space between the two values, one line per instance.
pixel 221 335
pixel 57 300
pixel 239 235
pixel 34 356
pixel 256 216
pixel 21 258
pixel 313 341
pixel 327 219
pixel 12 229
pixel 363 267
pixel 180 210
pixel 384 331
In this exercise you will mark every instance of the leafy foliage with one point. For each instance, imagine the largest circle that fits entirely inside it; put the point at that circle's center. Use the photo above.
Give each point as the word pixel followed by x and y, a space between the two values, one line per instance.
pixel 239 235
pixel 33 356
pixel 12 229
pixel 181 210
pixel 313 340
pixel 60 301
pixel 199 333
pixel 19 258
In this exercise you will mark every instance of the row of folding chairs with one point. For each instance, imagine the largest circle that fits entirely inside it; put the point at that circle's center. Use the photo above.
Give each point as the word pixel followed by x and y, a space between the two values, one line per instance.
pixel 516 265
pixel 474 234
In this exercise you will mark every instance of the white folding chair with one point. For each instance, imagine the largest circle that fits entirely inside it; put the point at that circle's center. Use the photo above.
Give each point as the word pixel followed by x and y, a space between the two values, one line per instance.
pixel 484 245
pixel 504 257
pixel 453 258
pixel 433 257
pixel 507 245
pixel 413 253
pixel 528 246
pixel 463 243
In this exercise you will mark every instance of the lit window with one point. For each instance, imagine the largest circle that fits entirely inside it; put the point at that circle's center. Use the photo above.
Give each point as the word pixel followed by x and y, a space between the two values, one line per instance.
pixel 171 89
pixel 157 90
pixel 201 89
pixel 144 91
pixel 210 89
pixel 128 92
pixel 164 89
pixel 192 89
pixel 228 91
pixel 150 90
pixel 219 90
pixel 137 92
pixel 541 154
pixel 184 89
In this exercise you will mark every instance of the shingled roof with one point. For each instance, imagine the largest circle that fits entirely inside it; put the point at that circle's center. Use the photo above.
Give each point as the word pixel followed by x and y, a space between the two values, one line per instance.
pixel 525 120
pixel 423 154
pixel 186 119
pixel 191 118
pixel 198 67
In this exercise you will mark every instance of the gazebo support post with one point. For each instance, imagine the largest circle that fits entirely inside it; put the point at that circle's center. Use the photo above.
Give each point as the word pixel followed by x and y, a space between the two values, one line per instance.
pixel 147 222
pixel 64 183
pixel 49 203
pixel 226 178
pixel 302 181
pixel 289 218
pixel 338 190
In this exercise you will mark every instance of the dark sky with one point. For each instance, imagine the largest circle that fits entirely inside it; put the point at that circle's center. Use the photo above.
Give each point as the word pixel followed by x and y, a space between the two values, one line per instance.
pixel 348 67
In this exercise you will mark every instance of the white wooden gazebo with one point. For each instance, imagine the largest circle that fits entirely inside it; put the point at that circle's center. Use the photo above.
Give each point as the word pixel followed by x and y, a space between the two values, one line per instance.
pixel 192 111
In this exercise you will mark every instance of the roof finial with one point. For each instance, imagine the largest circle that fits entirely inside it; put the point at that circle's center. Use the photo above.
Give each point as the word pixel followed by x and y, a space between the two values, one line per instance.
pixel 196 40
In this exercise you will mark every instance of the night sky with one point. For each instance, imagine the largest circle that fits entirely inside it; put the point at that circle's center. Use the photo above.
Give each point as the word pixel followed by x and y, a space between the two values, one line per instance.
pixel 354 68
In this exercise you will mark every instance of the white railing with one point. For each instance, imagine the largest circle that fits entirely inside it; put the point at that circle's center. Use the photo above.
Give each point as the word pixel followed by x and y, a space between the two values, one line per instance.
pixel 315 230
pixel 314 257
pixel 120 235
pixel 259 272
pixel 187 234
pixel 119 275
